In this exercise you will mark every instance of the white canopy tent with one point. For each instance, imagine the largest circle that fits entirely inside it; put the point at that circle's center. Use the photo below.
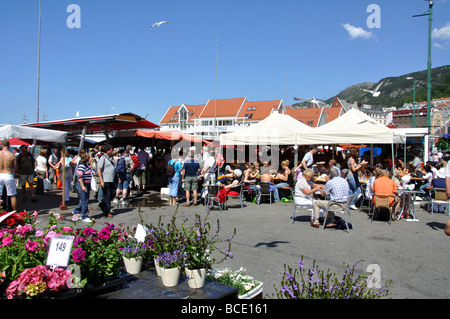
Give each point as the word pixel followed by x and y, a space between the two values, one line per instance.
pixel 276 129
pixel 353 127
pixel 31 133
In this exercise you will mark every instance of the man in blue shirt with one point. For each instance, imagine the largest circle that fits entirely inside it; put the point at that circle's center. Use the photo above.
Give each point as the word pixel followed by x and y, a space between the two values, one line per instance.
pixel 338 189
pixel 189 173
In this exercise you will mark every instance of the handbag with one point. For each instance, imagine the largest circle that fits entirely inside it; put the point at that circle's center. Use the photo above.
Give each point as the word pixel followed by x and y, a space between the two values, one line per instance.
pixel 94 186
pixel 47 184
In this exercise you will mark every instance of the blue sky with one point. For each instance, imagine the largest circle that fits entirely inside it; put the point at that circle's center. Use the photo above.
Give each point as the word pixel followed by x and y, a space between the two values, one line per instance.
pixel 267 50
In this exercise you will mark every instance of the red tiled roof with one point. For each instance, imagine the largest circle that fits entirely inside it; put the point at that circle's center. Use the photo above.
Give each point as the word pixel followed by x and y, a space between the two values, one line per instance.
pixel 169 117
pixel 258 110
pixel 332 113
pixel 223 108
pixel 308 116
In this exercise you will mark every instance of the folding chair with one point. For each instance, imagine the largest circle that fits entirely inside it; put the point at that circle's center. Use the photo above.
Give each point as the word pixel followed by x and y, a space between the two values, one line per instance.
pixel 440 197
pixel 239 187
pixel 382 202
pixel 213 194
pixel 365 198
pixel 344 211
pixel 265 191
pixel 311 207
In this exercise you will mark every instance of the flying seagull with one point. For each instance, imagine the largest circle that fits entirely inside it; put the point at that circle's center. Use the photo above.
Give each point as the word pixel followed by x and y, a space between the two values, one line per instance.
pixel 157 24
pixel 375 92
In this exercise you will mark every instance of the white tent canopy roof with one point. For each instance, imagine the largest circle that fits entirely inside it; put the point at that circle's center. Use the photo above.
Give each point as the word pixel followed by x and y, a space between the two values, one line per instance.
pixel 31 133
pixel 353 127
pixel 276 129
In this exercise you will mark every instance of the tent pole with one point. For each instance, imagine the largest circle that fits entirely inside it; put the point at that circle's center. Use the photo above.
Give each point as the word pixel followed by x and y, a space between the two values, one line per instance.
pixel 393 165
pixel 63 206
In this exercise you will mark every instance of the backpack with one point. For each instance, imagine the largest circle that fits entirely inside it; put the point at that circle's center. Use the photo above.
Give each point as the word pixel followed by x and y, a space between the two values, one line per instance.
pixel 136 162
pixel 121 167
pixel 171 169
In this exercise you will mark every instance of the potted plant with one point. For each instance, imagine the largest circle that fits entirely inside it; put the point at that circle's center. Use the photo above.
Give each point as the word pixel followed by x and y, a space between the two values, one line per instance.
pixel 133 255
pixel 170 264
pixel 200 244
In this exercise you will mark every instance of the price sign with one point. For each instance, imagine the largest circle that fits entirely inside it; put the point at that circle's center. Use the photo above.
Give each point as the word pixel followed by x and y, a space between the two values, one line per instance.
pixel 141 232
pixel 59 251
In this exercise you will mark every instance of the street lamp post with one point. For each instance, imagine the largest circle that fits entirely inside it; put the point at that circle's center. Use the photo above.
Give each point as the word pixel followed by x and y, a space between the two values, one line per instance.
pixel 430 19
pixel 38 62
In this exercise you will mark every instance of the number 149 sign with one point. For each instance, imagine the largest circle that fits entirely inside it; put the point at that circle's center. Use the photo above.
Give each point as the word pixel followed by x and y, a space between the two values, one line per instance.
pixel 59 251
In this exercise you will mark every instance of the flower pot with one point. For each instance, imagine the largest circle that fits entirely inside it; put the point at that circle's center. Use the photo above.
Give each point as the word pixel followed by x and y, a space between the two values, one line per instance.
pixel 255 293
pixel 157 267
pixel 170 276
pixel 133 265
pixel 196 277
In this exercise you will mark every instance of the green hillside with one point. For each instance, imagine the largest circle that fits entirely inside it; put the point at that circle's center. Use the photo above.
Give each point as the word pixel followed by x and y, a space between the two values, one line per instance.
pixel 396 91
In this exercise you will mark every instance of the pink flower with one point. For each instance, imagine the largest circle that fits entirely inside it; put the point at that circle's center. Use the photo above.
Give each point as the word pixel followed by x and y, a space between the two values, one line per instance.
pixel 6 241
pixel 78 255
pixel 35 214
pixel 39 233
pixel 31 245
pixel 67 229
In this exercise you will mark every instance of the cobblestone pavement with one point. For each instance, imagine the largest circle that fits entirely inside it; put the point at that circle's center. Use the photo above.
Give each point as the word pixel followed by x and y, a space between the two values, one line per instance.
pixel 414 255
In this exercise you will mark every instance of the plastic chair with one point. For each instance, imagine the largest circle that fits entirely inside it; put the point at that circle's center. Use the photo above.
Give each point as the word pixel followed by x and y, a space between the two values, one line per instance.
pixel 311 207
pixel 382 202
pixel 344 211
pixel 240 186
pixel 440 197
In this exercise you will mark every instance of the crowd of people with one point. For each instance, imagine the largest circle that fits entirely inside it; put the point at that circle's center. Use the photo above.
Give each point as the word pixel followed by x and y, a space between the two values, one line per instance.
pixel 110 173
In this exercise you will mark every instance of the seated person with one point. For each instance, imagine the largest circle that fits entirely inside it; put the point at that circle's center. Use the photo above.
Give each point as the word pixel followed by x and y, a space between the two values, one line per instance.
pixel 230 189
pixel 338 188
pixel 427 176
pixel 285 177
pixel 305 189
pixel 383 185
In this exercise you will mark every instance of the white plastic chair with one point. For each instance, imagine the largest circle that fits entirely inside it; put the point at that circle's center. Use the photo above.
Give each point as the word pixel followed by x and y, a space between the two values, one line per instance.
pixel 440 197
pixel 302 206
pixel 340 211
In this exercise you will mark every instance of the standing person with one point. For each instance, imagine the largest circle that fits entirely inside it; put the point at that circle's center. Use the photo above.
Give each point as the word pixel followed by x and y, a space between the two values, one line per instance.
pixel 106 173
pixel 95 157
pixel 8 167
pixel 52 161
pixel 189 172
pixel 174 181
pixel 416 165
pixel 124 167
pixel 134 173
pixel 41 171
pixel 353 177
pixel 25 165
pixel 68 174
pixel 83 185
pixel 308 159
pixel 144 158
pixel 208 166
pixel 220 162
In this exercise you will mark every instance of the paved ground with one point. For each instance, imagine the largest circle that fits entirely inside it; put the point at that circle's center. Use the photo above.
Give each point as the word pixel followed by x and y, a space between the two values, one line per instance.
pixel 414 255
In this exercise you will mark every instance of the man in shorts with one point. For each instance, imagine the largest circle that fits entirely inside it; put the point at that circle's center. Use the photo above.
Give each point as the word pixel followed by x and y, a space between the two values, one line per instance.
pixel 189 173
pixel 8 166
pixel 25 165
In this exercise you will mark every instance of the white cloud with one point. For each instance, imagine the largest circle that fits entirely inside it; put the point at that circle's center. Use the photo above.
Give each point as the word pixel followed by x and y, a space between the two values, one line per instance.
pixel 357 32
pixel 439 46
pixel 442 33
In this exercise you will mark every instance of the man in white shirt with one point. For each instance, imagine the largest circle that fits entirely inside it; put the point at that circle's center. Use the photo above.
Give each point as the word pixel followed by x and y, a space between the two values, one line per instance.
pixel 308 159
pixel 209 165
